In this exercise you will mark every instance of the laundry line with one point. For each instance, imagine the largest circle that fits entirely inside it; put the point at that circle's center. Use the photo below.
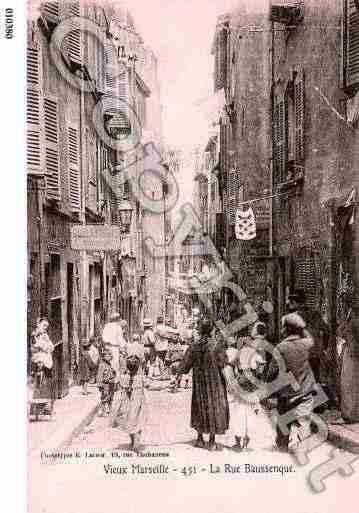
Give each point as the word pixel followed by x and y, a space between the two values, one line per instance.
pixel 249 202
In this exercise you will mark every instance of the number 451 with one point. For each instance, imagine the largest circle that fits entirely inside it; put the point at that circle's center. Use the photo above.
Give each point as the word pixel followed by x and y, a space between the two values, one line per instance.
pixel 189 471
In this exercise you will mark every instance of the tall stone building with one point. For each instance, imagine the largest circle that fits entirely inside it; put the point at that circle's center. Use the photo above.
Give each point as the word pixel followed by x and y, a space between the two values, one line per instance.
pixel 243 171
pixel 77 166
pixel 289 129
pixel 316 145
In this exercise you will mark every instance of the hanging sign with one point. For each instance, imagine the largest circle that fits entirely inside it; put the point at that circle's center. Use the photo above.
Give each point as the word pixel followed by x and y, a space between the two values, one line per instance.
pixel 95 237
pixel 245 224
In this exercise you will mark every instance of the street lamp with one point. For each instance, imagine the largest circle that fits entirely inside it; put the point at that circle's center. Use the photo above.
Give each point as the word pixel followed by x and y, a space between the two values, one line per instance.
pixel 125 210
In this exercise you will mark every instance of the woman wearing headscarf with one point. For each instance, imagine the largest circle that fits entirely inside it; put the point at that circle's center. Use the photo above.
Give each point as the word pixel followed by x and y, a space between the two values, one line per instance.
pixel 209 410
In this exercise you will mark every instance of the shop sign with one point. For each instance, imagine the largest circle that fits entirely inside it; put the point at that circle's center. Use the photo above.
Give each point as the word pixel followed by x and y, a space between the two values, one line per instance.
pixel 96 237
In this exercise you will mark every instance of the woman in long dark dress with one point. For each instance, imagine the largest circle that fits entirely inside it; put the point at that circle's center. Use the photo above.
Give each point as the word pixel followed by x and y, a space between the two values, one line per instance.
pixel 209 410
pixel 349 376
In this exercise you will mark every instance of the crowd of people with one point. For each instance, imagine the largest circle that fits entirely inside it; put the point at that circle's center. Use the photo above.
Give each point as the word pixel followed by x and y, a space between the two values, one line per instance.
pixel 220 367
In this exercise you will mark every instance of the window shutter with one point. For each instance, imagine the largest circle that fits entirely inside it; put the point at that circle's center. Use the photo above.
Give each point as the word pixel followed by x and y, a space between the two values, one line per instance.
pixel 91 157
pixel 220 60
pixel 352 43
pixel 74 169
pixel 233 187
pixel 305 277
pixel 52 149
pixel 100 66
pixel 34 110
pixel 110 76
pixel 220 230
pixel 117 88
pixel 51 11
pixel 74 39
pixel 114 204
pixel 299 100
pixel 126 190
pixel 279 139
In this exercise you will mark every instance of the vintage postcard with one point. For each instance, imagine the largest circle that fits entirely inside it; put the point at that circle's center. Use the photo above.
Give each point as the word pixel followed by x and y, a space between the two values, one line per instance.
pixel 192 254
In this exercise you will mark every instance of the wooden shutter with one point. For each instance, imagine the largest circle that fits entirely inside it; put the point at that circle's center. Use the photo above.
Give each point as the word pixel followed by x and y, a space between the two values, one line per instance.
pixel 74 169
pixel 100 71
pixel 351 17
pixel 34 110
pixel 51 11
pixel 220 60
pixel 220 230
pixel 121 112
pixel 305 277
pixel 114 203
pixel 117 88
pixel 233 186
pixel 52 149
pixel 280 149
pixel 299 100
pixel 74 39
pixel 91 157
pixel 110 70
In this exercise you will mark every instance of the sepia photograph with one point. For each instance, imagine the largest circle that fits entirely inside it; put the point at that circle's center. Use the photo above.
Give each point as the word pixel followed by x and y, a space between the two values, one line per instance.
pixel 192 239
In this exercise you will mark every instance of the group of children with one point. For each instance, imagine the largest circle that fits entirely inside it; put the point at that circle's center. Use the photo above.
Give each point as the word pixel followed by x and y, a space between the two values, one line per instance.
pixel 128 407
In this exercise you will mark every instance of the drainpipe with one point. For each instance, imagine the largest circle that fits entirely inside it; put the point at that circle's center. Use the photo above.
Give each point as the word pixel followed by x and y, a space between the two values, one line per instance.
pixel 271 131
pixel 333 291
pixel 40 188
pixel 274 262
pixel 83 254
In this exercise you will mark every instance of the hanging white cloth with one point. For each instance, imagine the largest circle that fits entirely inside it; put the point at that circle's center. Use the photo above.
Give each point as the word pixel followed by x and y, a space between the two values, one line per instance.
pixel 245 224
pixel 112 335
pixel 351 201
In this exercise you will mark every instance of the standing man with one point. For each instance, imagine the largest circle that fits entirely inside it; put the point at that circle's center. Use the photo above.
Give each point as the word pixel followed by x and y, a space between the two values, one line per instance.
pixel 317 327
pixel 161 339
pixel 112 337
pixel 148 339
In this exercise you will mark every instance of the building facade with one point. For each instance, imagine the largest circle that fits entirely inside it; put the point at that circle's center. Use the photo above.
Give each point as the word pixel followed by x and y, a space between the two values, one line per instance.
pixel 289 76
pixel 76 172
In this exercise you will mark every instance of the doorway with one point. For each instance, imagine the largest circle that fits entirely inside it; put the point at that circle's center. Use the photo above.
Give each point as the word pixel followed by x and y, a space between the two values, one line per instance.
pixel 70 319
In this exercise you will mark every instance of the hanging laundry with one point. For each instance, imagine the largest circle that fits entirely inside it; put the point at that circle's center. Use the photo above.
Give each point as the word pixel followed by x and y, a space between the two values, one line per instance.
pixel 351 201
pixel 245 224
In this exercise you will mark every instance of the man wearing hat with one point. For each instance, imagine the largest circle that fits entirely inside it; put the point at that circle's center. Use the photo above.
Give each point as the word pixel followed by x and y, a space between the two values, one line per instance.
pixel 112 337
pixel 148 338
pixel 295 350
pixel 161 333
pixel 317 327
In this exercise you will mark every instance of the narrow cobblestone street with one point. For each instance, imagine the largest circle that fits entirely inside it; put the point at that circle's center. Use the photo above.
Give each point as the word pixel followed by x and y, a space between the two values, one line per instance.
pixel 168 427
pixel 81 483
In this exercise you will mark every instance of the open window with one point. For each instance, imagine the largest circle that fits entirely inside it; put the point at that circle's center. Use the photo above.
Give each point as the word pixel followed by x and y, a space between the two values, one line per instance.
pixel 288 13
pixel 289 130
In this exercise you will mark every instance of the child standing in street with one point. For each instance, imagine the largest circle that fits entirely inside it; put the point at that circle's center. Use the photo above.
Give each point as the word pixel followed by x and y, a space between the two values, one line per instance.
pixel 106 382
pixel 89 361
pixel 131 411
